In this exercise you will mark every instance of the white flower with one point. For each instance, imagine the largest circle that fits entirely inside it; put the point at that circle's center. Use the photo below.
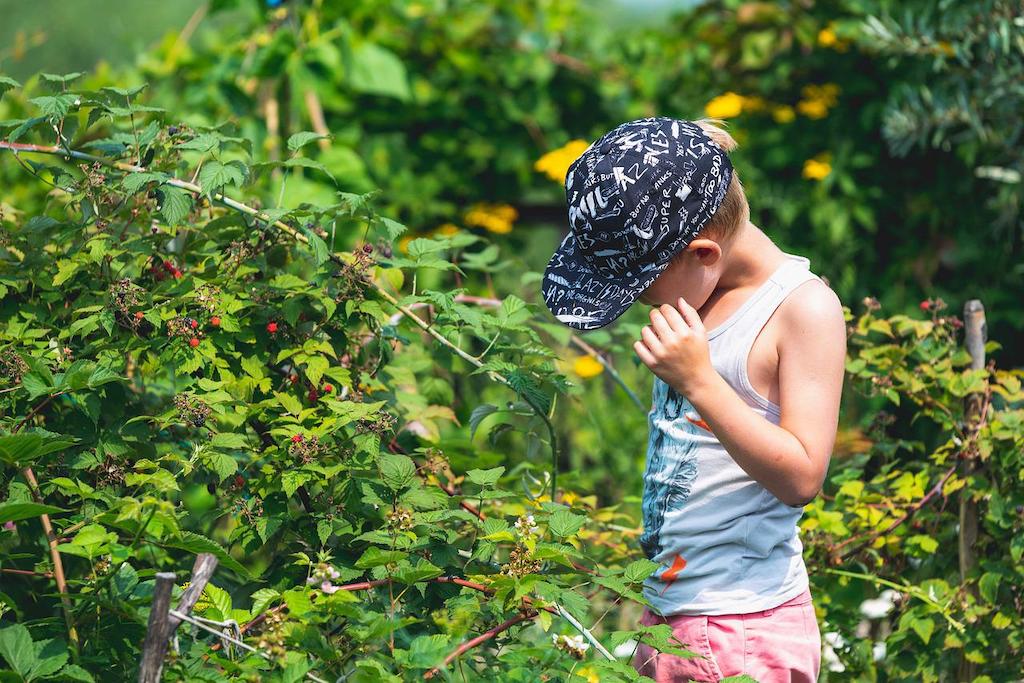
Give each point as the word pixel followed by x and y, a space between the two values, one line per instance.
pixel 311 580
pixel 329 588
pixel 876 608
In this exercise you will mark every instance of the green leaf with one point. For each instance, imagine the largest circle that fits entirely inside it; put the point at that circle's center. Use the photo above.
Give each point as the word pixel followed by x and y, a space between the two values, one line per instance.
pixel 300 140
pixel 229 440
pixel 379 71
pixel 298 601
pixel 478 415
pixel 375 557
pixel 221 463
pixel 486 477
pixel 7 84
pixel 76 673
pixel 175 204
pixel 13 512
pixel 421 572
pixel 194 543
pixel 262 599
pixel 396 470
pixel 215 175
pixel 289 403
pixel 639 570
pixel 17 649
pixel 22 448
pixel 563 523
pixel 924 628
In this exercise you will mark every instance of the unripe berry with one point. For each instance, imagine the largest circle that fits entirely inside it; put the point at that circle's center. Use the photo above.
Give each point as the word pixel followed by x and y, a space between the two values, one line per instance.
pixel 925 305
pixel 139 315
pixel 194 323
pixel 293 378
pixel 271 328
pixel 215 321
pixel 176 273
pixel 296 438
pixel 193 342
pixel 328 388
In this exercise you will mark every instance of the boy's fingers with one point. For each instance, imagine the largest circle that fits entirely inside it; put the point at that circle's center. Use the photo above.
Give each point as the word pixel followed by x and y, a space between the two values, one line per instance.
pixel 674 319
pixel 644 354
pixel 690 315
pixel 661 325
pixel 651 340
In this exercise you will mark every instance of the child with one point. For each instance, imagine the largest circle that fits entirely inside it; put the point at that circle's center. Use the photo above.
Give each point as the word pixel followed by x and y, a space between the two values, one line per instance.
pixel 748 348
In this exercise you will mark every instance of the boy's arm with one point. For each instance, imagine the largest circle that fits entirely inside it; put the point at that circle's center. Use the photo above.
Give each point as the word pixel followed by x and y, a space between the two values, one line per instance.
pixel 789 459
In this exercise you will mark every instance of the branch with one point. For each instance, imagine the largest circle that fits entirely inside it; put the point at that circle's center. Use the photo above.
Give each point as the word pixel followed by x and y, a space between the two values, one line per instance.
pixel 482 638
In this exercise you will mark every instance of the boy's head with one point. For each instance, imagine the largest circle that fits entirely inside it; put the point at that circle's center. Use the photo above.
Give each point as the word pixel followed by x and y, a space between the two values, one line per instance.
pixel 638 199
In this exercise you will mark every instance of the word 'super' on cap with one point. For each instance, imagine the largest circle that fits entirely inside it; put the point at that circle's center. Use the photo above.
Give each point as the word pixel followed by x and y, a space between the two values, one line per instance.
pixel 638 195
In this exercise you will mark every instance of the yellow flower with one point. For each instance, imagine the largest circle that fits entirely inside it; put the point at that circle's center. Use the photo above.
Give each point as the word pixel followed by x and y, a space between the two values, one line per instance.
pixel 555 164
pixel 827 36
pixel 783 113
pixel 818 167
pixel 826 92
pixel 588 674
pixel 447 229
pixel 753 103
pixel 945 48
pixel 587 366
pixel 496 218
pixel 724 106
pixel 814 109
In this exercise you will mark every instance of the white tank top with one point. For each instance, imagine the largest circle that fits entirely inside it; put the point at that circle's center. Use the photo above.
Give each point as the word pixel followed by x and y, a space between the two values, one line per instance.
pixel 725 543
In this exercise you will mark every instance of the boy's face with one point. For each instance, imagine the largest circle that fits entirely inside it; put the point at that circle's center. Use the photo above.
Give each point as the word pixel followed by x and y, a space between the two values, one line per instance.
pixel 693 276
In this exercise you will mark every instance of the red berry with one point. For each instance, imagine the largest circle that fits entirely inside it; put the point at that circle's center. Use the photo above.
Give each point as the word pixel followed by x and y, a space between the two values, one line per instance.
pixel 215 321
pixel 193 342
pixel 925 305
pixel 328 388
pixel 239 480
pixel 194 323
pixel 293 378
pixel 169 266
pixel 271 328
pixel 176 273
pixel 313 395
pixel 138 315
pixel 296 438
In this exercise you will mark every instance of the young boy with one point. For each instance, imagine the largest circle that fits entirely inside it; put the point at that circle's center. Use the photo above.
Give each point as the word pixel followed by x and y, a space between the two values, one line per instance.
pixel 748 348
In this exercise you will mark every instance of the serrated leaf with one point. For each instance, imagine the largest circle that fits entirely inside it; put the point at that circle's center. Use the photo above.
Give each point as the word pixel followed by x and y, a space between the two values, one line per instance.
pixel 300 140
pixel 396 470
pixel 485 477
pixel 196 544
pixel 214 175
pixel 175 204
pixel 13 512
pixel 563 523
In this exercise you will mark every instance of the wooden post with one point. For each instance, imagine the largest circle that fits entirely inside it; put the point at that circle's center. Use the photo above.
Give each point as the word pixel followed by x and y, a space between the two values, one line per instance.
pixel 161 624
pixel 975 334
pixel 202 572
pixel 157 632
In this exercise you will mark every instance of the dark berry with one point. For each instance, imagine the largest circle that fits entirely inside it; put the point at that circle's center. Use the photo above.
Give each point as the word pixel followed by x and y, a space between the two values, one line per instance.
pixel 367 248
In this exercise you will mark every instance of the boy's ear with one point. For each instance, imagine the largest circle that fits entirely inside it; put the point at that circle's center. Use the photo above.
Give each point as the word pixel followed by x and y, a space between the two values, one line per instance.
pixel 707 251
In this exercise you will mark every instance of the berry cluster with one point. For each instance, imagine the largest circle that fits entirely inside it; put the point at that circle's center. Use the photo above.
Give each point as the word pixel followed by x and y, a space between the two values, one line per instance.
pixel 12 367
pixel 191 410
pixel 520 563
pixel 400 519
pixel 574 645
pixel 125 297
pixel 207 296
pixel 380 425
pixel 353 276
pixel 272 636
pixel 305 450
pixel 185 327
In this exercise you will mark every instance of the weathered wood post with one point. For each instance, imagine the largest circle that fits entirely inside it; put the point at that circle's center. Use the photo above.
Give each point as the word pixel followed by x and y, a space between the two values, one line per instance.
pixel 155 645
pixel 975 334
pixel 161 623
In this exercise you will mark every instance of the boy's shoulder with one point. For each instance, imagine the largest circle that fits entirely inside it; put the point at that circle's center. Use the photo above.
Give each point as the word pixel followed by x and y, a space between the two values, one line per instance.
pixel 812 311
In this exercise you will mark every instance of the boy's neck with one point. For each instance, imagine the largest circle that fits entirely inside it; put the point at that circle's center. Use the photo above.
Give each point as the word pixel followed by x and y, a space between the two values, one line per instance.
pixel 749 259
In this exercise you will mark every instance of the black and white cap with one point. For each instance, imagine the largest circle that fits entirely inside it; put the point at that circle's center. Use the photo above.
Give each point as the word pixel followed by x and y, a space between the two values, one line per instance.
pixel 637 196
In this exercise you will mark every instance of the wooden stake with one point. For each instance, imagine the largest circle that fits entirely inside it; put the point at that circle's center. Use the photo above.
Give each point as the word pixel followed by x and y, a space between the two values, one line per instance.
pixel 157 631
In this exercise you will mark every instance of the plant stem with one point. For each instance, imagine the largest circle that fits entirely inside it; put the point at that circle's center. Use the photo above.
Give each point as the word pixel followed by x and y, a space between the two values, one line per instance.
pixel 58 566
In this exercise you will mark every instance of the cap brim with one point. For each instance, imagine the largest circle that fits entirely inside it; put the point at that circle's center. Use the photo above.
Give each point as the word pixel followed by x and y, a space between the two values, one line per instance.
pixel 582 298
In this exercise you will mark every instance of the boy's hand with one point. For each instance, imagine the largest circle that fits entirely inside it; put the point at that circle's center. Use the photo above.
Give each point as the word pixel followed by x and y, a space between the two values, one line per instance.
pixel 675 347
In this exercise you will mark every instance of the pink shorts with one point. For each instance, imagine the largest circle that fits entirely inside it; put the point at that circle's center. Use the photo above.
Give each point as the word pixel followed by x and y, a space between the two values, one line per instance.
pixel 777 645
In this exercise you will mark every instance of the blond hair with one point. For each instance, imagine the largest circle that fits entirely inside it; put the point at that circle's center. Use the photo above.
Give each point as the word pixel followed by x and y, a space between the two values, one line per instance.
pixel 734 211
